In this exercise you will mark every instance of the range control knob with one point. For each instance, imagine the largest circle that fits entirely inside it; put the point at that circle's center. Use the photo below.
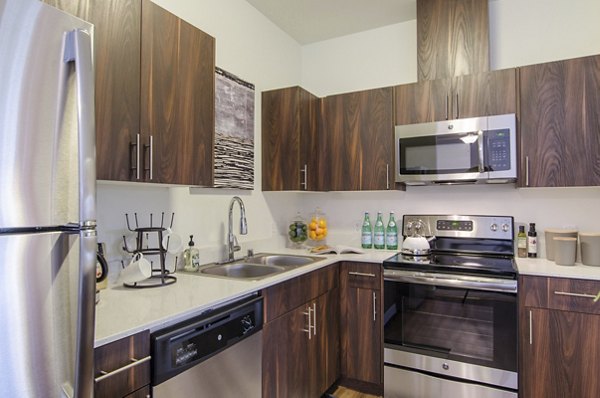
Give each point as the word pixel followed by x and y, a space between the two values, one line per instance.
pixel 247 324
pixel 494 227
pixel 505 227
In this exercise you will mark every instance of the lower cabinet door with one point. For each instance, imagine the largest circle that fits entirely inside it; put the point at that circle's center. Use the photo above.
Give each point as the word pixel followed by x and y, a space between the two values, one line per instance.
pixel 560 354
pixel 301 349
pixel 361 336
pixel 286 347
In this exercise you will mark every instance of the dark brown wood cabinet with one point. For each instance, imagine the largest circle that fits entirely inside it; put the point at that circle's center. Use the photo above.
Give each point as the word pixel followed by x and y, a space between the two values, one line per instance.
pixel 483 94
pixel 177 97
pixel 559 123
pixel 559 338
pixel 358 131
pixel 452 38
pixel 117 64
pixel 301 345
pixel 361 327
pixel 154 92
pixel 113 379
pixel 290 148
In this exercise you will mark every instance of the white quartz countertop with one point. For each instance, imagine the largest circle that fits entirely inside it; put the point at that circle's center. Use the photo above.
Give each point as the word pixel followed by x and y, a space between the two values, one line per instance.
pixel 124 311
pixel 543 267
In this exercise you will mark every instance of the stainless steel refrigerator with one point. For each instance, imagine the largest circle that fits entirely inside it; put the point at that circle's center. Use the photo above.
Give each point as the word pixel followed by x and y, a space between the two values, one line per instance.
pixel 47 202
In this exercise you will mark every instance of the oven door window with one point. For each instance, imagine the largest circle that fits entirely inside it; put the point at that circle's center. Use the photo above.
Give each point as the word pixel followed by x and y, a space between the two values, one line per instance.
pixel 439 154
pixel 470 326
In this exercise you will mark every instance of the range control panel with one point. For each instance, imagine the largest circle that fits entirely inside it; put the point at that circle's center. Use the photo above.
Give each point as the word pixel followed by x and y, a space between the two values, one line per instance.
pixel 459 226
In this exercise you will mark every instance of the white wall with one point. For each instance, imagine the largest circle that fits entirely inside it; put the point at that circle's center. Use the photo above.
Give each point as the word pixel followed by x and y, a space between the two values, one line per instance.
pixel 375 58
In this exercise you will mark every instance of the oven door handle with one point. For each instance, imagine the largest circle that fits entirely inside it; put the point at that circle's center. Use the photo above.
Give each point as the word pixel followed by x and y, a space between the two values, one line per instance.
pixel 464 282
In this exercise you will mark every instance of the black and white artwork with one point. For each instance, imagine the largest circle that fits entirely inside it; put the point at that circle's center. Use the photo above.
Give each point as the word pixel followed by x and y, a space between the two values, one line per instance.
pixel 234 132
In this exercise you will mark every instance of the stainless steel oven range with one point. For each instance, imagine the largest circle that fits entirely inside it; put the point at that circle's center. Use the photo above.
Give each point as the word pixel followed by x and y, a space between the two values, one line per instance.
pixel 450 320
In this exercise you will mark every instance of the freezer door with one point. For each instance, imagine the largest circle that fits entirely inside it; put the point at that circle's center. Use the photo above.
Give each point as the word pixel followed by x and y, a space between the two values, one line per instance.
pixel 47 154
pixel 47 314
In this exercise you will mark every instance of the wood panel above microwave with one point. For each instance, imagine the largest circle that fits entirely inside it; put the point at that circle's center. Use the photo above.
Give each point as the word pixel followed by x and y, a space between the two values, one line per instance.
pixel 452 38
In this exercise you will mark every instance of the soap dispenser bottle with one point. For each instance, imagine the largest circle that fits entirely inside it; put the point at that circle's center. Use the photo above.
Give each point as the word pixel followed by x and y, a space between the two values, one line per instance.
pixel 191 257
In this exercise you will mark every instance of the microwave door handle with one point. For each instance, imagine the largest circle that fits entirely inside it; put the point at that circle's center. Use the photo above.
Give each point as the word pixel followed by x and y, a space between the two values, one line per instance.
pixel 480 150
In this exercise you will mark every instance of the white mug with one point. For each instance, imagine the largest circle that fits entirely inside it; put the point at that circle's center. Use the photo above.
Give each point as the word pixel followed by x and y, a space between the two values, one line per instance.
pixel 172 242
pixel 138 270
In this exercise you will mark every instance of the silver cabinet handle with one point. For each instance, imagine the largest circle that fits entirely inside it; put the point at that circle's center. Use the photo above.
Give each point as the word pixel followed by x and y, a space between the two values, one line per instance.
pixel 530 328
pixel 354 273
pixel 374 306
pixel 447 106
pixel 137 156
pixel 304 183
pixel 583 295
pixel 526 171
pixel 457 107
pixel 151 157
pixel 309 329
pixel 314 319
pixel 134 362
pixel 387 176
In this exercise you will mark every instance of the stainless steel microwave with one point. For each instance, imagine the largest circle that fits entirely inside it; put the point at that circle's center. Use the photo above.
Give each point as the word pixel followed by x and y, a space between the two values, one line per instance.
pixel 470 150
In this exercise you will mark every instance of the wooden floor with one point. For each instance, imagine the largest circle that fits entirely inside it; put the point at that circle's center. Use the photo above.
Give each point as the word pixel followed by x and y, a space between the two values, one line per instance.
pixel 343 392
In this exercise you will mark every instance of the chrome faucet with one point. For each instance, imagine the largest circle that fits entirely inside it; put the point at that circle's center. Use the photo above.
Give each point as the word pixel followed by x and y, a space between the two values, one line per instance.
pixel 232 243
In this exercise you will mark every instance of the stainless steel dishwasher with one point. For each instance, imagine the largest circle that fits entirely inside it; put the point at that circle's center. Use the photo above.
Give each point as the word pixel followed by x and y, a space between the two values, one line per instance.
pixel 216 354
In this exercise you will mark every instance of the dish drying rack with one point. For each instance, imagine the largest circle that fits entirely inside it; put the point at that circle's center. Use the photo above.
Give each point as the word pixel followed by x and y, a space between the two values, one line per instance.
pixel 160 276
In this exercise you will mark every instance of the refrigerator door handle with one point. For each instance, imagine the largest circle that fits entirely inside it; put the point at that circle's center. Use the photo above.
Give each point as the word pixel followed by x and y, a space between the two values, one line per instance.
pixel 78 49
pixel 84 372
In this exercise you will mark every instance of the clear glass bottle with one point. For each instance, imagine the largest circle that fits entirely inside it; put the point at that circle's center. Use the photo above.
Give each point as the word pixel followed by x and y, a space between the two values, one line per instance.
pixel 379 233
pixel 522 242
pixel 366 237
pixel 191 257
pixel 391 233
pixel 532 241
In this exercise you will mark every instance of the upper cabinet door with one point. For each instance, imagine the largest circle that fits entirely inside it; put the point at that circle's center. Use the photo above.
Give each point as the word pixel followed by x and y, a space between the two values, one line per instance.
pixel 560 123
pixel 452 38
pixel 177 97
pixel 484 94
pixel 290 147
pixel 359 140
pixel 281 139
pixel 117 64
pixel 423 102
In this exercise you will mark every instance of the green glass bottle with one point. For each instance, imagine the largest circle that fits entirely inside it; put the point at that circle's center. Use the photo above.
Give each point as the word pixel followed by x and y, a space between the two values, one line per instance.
pixel 366 237
pixel 391 233
pixel 379 233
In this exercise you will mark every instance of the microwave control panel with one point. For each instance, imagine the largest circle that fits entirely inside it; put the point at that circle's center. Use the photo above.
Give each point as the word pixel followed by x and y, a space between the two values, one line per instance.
pixel 498 150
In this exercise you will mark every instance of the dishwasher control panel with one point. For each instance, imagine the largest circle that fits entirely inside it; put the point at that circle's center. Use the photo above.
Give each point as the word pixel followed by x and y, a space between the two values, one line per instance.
pixel 181 346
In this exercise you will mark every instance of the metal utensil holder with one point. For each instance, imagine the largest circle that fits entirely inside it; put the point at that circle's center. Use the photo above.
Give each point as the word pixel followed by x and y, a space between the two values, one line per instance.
pixel 160 276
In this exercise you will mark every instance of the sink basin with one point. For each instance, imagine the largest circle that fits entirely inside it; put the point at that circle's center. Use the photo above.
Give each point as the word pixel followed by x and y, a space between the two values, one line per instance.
pixel 257 267
pixel 282 260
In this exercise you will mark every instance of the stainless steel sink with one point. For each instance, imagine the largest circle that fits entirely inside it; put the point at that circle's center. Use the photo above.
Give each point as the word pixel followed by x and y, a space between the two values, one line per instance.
pixel 242 270
pixel 282 260
pixel 257 267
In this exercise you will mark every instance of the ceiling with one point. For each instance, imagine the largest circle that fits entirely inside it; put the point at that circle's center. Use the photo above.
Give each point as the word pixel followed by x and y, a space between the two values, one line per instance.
pixel 310 21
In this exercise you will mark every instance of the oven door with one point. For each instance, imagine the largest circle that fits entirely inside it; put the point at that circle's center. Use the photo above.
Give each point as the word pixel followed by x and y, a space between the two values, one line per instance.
pixel 453 327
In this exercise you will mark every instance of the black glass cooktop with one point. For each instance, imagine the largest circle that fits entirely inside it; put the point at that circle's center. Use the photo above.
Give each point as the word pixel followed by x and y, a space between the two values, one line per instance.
pixel 466 264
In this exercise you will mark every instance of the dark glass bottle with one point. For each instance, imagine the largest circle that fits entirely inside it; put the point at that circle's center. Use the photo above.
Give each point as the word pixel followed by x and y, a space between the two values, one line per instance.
pixel 532 241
